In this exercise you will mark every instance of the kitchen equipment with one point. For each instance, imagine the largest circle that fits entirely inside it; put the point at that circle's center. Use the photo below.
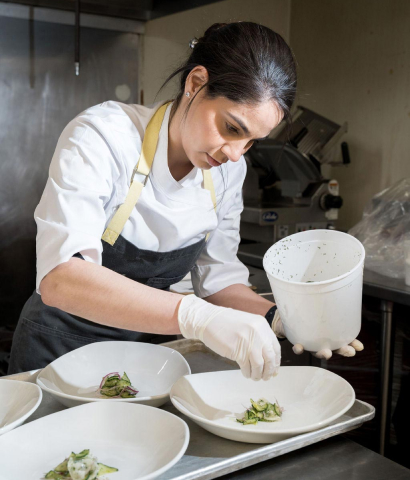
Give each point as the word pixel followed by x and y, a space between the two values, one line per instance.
pixel 317 281
pixel 285 190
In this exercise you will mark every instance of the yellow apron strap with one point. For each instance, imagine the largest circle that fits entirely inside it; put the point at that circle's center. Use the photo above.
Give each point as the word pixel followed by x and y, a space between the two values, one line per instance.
pixel 149 146
pixel 116 225
pixel 150 142
pixel 209 185
pixel 148 149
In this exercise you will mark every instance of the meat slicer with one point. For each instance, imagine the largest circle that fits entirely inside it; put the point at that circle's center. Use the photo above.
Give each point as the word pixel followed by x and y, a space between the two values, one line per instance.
pixel 285 191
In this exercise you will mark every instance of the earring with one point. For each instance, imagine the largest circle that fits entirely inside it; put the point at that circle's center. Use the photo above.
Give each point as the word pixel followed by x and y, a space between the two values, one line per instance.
pixel 188 94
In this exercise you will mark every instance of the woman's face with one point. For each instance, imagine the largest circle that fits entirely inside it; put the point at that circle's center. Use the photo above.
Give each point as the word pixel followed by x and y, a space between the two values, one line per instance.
pixel 218 130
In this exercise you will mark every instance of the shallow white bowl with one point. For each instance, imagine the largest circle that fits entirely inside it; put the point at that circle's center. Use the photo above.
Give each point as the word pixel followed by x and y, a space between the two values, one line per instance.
pixel 142 442
pixel 18 400
pixel 75 377
pixel 312 398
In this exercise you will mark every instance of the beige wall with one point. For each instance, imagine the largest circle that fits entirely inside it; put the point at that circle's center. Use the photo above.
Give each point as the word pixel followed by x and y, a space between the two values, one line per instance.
pixel 165 43
pixel 354 66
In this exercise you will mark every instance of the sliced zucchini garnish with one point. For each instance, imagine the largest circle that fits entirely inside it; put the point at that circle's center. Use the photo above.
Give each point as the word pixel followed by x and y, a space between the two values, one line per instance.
pixel 55 475
pixel 277 410
pixel 111 381
pixel 261 411
pixel 260 405
pixel 251 421
pixel 116 386
pixel 79 456
pixel 126 394
pixel 104 469
pixel 62 467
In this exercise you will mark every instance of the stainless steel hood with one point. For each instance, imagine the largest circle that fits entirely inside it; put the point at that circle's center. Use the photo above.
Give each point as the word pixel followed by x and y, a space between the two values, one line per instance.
pixel 142 10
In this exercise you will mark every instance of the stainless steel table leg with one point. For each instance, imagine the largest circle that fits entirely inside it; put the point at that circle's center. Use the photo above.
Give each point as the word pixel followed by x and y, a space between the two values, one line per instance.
pixel 385 352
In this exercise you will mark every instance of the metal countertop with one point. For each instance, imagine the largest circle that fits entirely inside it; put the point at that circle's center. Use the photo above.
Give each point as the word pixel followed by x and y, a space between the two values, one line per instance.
pixel 334 459
pixel 386 288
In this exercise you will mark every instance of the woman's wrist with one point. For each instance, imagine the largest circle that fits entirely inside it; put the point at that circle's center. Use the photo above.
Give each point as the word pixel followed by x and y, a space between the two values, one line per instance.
pixel 272 317
pixel 270 314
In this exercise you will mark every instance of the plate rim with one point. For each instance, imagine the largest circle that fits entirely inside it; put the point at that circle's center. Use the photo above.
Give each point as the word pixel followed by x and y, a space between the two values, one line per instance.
pixel 236 428
pixel 160 396
pixel 11 426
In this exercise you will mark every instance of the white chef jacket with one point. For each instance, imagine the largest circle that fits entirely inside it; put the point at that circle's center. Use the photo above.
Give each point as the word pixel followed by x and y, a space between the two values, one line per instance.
pixel 89 178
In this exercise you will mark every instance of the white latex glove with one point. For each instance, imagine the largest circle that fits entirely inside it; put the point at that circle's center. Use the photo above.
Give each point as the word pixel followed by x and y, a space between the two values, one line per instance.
pixel 346 351
pixel 243 337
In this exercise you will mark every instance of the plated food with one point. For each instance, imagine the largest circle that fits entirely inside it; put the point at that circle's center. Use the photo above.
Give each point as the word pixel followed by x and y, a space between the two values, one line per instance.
pixel 114 386
pixel 151 370
pixel 141 442
pixel 80 466
pixel 313 397
pixel 261 411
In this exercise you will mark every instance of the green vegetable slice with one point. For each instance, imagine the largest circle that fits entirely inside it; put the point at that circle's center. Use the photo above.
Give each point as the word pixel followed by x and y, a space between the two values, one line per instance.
pixel 55 475
pixel 126 394
pixel 111 381
pixel 251 421
pixel 105 469
pixel 62 467
pixel 111 391
pixel 270 416
pixel 277 410
pixel 260 405
pixel 125 381
pixel 79 456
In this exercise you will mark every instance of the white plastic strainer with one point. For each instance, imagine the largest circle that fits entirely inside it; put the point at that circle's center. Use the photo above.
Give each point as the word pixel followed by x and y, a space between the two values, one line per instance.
pixel 317 279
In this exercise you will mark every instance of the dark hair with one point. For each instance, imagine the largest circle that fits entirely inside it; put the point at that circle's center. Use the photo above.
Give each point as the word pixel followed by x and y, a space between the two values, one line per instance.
pixel 246 63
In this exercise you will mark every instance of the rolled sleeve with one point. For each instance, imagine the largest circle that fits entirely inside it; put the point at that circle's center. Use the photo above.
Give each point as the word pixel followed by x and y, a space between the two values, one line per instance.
pixel 218 266
pixel 71 215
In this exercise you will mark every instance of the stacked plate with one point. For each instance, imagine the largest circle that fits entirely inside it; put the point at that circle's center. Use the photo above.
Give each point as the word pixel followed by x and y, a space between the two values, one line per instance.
pixel 18 400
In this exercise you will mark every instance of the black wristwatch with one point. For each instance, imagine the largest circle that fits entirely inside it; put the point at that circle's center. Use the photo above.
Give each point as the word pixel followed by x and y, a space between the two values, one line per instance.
pixel 270 316
pixel 271 313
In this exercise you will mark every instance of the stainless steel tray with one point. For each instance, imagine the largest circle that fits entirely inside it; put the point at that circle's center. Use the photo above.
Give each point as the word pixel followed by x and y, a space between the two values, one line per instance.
pixel 209 456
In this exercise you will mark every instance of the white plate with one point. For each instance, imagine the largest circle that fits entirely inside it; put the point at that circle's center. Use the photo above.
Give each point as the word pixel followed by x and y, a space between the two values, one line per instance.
pixel 142 442
pixel 18 400
pixel 312 398
pixel 75 377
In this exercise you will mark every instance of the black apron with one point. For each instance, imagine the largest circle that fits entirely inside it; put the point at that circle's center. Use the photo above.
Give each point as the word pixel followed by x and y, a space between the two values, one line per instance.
pixel 45 333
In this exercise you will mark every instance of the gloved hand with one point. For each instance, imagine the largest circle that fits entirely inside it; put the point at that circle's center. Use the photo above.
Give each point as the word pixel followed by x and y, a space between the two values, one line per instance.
pixel 346 351
pixel 243 337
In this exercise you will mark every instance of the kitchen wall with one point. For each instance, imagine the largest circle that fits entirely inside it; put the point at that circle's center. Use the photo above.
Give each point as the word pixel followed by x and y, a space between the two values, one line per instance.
pixel 165 43
pixel 354 66
pixel 39 95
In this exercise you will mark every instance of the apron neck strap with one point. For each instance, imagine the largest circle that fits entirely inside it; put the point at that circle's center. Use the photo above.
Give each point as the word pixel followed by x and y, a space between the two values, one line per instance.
pixel 143 166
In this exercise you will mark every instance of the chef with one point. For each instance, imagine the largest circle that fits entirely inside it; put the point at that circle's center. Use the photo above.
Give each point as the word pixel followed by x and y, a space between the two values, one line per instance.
pixel 138 196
